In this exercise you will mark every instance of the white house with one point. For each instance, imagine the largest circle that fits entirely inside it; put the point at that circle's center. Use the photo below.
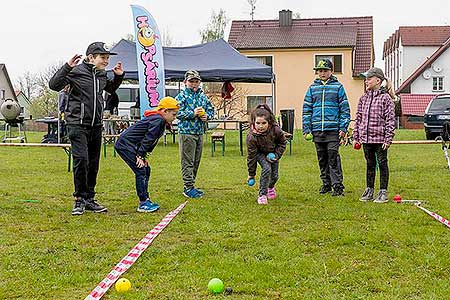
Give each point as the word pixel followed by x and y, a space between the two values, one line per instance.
pixel 6 87
pixel 417 60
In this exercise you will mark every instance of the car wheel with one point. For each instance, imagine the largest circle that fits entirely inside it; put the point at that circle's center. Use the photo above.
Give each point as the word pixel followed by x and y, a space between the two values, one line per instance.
pixel 429 135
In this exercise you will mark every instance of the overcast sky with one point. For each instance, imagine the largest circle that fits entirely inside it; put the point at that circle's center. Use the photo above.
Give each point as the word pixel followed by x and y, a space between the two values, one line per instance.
pixel 35 34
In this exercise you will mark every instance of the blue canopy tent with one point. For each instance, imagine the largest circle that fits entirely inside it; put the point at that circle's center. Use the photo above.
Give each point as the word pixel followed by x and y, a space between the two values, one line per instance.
pixel 216 61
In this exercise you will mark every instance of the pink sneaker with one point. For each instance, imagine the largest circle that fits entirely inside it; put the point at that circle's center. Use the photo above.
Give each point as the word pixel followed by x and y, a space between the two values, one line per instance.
pixel 271 193
pixel 262 200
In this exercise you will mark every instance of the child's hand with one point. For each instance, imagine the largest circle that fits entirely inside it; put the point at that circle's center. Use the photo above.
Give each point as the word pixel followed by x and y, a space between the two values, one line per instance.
pixel 118 70
pixel 140 162
pixel 385 146
pixel 74 60
pixel 198 111
pixel 204 118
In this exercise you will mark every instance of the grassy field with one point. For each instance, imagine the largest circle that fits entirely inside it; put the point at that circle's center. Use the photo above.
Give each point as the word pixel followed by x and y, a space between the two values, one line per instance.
pixel 301 246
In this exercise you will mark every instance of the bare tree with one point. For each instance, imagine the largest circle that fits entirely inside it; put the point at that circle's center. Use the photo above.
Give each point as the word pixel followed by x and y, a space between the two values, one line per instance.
pixel 167 39
pixel 25 83
pixel 233 108
pixel 216 28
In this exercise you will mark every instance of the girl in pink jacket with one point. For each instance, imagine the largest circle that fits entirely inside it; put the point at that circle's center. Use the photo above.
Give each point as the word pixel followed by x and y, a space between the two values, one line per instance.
pixel 374 129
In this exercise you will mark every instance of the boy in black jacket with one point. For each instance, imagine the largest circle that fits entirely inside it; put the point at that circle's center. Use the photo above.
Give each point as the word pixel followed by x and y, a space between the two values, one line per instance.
pixel 138 140
pixel 83 115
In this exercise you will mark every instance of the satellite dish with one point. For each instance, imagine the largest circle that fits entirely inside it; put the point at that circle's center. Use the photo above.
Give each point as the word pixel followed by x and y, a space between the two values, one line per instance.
pixel 437 68
pixel 10 110
pixel 426 74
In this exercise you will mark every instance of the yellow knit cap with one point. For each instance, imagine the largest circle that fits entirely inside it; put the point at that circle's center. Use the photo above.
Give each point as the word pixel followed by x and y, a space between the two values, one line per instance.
pixel 168 103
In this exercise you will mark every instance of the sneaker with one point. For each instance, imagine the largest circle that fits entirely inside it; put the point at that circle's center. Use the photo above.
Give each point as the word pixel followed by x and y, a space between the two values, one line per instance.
pixel 325 189
pixel 382 197
pixel 93 205
pixel 192 193
pixel 338 191
pixel 262 200
pixel 271 193
pixel 147 206
pixel 367 195
pixel 201 192
pixel 78 207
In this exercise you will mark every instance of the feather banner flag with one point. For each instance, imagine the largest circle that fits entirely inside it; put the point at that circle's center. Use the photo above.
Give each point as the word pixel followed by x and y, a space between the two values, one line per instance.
pixel 150 59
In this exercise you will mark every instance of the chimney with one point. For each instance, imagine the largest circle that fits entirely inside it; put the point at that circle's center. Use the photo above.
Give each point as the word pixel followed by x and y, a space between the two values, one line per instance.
pixel 285 18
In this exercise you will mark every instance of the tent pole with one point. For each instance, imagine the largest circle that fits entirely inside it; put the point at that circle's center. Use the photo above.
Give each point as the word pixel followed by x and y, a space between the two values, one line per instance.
pixel 274 97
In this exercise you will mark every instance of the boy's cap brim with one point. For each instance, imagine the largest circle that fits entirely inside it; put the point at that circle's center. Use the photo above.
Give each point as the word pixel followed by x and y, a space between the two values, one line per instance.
pixel 321 69
pixel 99 48
pixel 192 74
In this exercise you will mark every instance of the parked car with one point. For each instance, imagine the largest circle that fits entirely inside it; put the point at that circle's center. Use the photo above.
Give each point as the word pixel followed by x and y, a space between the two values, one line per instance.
pixel 436 113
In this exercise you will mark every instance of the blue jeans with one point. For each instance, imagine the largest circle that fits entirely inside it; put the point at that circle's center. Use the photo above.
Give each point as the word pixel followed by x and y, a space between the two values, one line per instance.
pixel 142 175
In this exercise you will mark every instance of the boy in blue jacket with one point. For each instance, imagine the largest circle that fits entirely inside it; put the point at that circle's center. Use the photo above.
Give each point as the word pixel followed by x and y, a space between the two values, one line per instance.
pixel 195 110
pixel 140 139
pixel 326 114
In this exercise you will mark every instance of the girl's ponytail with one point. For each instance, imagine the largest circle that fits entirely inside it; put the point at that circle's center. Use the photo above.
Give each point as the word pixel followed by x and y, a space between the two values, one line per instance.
pixel 263 110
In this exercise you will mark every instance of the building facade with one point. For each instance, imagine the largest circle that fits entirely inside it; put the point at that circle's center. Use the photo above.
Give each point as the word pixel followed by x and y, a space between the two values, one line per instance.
pixel 293 46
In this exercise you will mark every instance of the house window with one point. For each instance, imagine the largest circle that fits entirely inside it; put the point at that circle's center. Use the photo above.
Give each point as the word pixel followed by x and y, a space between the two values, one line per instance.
pixel 2 94
pixel 438 84
pixel 335 59
pixel 265 60
pixel 253 101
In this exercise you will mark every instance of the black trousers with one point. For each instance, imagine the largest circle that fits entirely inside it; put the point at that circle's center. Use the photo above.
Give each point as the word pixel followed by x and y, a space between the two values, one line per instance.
pixel 374 153
pixel 86 145
pixel 330 163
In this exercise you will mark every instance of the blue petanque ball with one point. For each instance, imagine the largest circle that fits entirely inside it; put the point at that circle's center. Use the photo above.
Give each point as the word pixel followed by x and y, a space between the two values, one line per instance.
pixel 271 156
pixel 251 182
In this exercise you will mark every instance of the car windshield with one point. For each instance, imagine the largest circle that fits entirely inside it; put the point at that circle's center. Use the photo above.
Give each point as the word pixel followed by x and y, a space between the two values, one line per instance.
pixel 440 105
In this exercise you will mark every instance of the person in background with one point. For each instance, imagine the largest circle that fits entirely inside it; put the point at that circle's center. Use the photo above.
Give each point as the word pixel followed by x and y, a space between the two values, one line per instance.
pixel 195 110
pixel 136 142
pixel 266 144
pixel 83 116
pixel 375 129
pixel 326 114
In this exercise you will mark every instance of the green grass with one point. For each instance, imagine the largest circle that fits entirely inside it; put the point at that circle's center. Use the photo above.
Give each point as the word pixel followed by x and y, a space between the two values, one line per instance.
pixel 301 246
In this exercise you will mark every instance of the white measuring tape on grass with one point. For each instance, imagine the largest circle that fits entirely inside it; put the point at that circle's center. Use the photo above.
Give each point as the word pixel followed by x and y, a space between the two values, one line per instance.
pixel 132 256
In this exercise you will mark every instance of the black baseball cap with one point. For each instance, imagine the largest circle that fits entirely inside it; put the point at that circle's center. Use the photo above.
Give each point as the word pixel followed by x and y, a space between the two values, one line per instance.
pixel 324 64
pixel 99 48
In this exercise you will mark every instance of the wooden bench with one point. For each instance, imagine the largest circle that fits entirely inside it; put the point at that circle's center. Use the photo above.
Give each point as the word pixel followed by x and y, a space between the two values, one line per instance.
pixel 217 136
pixel 108 139
pixel 67 148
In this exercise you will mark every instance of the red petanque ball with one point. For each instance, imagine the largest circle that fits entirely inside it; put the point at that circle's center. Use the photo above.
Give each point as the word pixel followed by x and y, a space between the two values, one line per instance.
pixel 397 198
pixel 357 146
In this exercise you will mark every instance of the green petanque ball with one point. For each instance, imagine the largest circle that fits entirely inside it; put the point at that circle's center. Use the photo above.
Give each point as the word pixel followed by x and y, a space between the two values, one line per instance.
pixel 215 286
pixel 309 137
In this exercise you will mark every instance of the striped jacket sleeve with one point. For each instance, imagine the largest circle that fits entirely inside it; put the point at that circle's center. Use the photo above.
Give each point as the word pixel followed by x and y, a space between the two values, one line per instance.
pixel 344 110
pixel 307 111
